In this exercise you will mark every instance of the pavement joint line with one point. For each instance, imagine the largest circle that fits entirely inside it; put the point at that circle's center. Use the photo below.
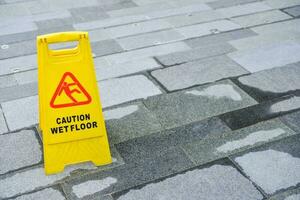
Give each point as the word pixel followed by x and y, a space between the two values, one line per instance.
pixel 5 120
pixel 240 170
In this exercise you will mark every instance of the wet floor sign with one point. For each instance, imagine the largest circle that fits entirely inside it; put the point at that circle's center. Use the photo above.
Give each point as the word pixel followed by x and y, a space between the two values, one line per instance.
pixel 71 119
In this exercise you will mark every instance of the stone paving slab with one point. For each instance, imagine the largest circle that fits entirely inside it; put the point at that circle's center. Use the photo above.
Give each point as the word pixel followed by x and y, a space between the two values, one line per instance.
pixel 105 47
pixel 286 26
pixel 150 145
pixel 109 22
pixel 212 182
pixel 207 28
pixel 267 110
pixel 292 120
pixel 130 121
pixel 83 14
pixel 274 167
pixel 194 18
pixel 23 63
pixel 220 146
pixel 121 90
pixel 104 70
pixel 198 72
pixel 228 3
pixel 220 38
pixel 3 126
pixel 198 103
pixel 261 18
pixel 49 193
pixel 182 9
pixel 268 84
pixel 194 54
pixel 146 52
pixel 137 28
pixel 127 176
pixel 266 39
pixel 31 179
pixel 18 49
pixel 19 150
pixel 292 194
pixel 18 91
pixel 150 39
pixel 282 4
pixel 294 11
pixel 244 9
pixel 16 119
pixel 268 56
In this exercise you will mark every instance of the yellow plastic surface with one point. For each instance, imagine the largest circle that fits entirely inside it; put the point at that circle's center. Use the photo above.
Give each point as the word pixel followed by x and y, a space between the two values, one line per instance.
pixel 71 119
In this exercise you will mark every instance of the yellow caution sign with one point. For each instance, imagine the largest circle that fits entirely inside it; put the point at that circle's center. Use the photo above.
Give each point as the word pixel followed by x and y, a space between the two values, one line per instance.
pixel 71 118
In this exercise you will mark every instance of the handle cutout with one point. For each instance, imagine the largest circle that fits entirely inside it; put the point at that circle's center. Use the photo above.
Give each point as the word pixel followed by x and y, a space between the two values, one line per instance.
pixel 63 45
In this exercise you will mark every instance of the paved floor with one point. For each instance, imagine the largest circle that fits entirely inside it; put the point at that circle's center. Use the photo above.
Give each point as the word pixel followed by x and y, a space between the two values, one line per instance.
pixel 201 99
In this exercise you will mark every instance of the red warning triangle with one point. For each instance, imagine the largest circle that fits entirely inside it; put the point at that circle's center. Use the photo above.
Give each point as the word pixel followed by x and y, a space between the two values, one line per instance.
pixel 69 92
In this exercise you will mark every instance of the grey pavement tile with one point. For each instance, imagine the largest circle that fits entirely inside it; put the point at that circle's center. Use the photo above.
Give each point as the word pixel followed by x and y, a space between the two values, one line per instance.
pixel 219 146
pixel 53 23
pixel 292 120
pixel 7 81
pixel 17 37
pixel 228 3
pixel 218 181
pixel 115 21
pixel 134 150
pixel 261 112
pixel 195 54
pixel 26 77
pixel 118 5
pixel 17 64
pixel 104 70
pixel 183 9
pixel 18 91
pixel 220 38
pixel 130 121
pixel 207 28
pixel 244 9
pixel 18 49
pixel 18 28
pixel 47 30
pixel 198 72
pixel 105 47
pixel 48 193
pixel 16 119
pixel 272 83
pixel 282 4
pixel 293 194
pixel 266 39
pixel 194 18
pixel 3 127
pixel 273 167
pixel 83 14
pixel 98 35
pixel 121 90
pixel 13 10
pixel 261 18
pixel 146 52
pixel 31 179
pixel 137 28
pixel 267 56
pixel 19 150
pixel 150 39
pixel 294 11
pixel 140 9
pixel 198 103
pixel 285 26
pixel 126 176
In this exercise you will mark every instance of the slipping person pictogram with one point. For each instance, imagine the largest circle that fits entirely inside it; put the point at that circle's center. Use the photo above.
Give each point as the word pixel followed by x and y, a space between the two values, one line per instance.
pixel 65 88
